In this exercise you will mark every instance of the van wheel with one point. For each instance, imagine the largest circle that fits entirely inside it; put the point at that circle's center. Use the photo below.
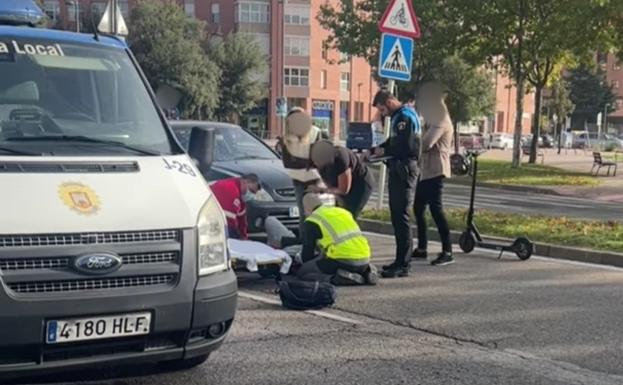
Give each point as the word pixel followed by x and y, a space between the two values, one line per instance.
pixel 184 364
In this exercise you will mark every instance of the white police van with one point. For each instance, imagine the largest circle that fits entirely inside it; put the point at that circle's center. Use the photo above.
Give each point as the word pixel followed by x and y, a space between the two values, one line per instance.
pixel 112 248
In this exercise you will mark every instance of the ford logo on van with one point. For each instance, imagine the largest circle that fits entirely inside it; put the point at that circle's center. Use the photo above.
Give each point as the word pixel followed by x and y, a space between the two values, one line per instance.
pixel 97 264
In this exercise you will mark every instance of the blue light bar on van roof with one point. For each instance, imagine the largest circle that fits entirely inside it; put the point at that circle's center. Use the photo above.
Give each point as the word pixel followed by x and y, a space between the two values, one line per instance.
pixel 20 12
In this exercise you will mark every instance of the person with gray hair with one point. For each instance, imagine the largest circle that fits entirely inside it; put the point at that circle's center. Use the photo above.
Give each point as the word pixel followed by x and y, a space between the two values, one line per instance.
pixel 295 146
pixel 437 140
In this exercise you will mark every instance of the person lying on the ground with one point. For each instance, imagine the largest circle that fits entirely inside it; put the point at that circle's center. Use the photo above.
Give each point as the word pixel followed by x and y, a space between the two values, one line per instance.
pixel 333 245
pixel 233 194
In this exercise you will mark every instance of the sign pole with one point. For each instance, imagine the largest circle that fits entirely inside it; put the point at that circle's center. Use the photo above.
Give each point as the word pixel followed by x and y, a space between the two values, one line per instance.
pixel 383 177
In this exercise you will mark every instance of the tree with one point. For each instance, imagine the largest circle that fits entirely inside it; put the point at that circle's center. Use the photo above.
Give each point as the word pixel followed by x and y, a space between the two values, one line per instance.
pixel 560 105
pixel 242 63
pixel 589 93
pixel 530 39
pixel 470 91
pixel 169 47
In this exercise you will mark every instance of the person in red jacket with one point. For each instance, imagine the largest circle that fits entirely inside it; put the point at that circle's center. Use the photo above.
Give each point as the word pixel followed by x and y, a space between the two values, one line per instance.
pixel 233 194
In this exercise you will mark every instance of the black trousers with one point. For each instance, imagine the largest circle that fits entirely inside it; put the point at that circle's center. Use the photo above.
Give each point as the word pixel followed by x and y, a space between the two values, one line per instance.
pixel 429 193
pixel 357 198
pixel 402 177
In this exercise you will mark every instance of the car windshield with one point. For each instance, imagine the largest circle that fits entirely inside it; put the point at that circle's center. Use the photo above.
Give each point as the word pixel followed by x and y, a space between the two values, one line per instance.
pixel 70 99
pixel 232 143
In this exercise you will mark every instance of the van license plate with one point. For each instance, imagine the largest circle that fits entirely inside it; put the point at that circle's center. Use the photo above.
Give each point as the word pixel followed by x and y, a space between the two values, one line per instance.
pixel 83 329
pixel 294 212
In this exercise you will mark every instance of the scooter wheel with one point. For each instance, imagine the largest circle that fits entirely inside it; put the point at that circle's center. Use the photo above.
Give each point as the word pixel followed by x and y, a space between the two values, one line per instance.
pixel 467 242
pixel 523 247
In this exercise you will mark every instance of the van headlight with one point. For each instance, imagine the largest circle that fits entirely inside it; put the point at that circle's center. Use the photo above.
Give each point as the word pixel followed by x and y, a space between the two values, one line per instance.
pixel 211 239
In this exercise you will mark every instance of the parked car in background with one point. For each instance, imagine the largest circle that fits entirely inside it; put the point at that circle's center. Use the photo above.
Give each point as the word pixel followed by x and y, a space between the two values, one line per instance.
pixel 547 141
pixel 237 152
pixel 502 141
pixel 590 140
pixel 362 136
pixel 471 140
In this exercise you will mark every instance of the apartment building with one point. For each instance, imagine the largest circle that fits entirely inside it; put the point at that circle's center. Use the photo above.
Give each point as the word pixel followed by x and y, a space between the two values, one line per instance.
pixel 613 69
pixel 332 87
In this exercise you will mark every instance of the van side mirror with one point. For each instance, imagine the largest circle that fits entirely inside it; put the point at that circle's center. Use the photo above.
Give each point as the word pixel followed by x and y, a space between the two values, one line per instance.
pixel 201 147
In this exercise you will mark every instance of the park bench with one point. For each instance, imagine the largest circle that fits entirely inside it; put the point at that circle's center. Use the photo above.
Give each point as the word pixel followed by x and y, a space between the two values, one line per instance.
pixel 598 163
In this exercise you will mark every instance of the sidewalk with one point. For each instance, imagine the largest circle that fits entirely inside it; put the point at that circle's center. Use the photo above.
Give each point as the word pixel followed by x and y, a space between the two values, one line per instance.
pixel 609 190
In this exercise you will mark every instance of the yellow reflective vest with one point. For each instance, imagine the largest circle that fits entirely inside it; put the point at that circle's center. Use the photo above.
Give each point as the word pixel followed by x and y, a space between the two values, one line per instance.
pixel 341 237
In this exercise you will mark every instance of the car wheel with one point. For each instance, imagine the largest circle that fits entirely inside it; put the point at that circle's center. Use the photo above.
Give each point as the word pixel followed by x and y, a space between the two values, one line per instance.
pixel 186 364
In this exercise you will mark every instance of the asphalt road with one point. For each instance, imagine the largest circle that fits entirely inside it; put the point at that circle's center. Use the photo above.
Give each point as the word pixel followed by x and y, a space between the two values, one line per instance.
pixel 479 321
pixel 457 196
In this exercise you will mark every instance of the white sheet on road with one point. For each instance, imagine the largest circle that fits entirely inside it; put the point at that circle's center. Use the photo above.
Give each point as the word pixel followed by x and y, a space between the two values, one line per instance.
pixel 257 253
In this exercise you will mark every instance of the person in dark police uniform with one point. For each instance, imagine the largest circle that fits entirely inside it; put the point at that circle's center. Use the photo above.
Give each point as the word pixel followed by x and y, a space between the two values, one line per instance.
pixel 403 146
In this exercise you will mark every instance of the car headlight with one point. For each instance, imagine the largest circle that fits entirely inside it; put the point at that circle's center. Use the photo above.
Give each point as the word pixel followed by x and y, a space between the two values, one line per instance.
pixel 263 196
pixel 211 240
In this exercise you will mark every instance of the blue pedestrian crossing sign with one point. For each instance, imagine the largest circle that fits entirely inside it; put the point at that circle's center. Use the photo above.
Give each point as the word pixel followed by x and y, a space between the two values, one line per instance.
pixel 396 57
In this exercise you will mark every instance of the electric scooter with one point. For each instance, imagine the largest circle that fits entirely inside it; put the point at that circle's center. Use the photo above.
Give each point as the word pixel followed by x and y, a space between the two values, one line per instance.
pixel 471 238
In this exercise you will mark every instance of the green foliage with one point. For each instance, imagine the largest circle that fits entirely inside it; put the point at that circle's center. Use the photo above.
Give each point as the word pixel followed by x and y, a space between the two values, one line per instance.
pixel 529 39
pixel 169 47
pixel 560 101
pixel 589 93
pixel 597 235
pixel 353 27
pixel 241 62
pixel 470 89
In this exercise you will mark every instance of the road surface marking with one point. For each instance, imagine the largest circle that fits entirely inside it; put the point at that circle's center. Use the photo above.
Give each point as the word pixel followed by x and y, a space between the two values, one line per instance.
pixel 537 257
pixel 318 313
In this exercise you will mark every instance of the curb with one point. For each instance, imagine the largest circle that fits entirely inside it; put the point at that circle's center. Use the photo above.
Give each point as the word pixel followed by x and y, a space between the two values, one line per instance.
pixel 529 189
pixel 541 249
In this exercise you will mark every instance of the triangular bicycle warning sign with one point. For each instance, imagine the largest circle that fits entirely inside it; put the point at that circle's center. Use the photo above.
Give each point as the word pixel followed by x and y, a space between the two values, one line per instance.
pixel 400 19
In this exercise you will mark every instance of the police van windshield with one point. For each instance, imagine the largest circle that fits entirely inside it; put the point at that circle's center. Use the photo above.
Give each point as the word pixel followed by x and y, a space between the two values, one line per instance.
pixel 65 99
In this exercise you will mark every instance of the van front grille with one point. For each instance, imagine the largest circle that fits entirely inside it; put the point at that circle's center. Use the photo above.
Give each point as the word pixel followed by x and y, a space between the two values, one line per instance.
pixel 92 284
pixel 88 238
pixel 63 262
pixel 43 265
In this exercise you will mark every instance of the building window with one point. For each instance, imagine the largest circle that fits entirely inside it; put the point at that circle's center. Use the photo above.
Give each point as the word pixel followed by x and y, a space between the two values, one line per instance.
pixel 359 107
pixel 325 52
pixel 344 57
pixel 252 12
pixel 216 13
pixel 297 15
pixel 619 103
pixel 296 77
pixel 615 84
pixel 52 9
pixel 296 46
pixel 97 11
pixel 323 79
pixel 617 65
pixel 189 8
pixel 263 42
pixel 345 81
pixel 125 8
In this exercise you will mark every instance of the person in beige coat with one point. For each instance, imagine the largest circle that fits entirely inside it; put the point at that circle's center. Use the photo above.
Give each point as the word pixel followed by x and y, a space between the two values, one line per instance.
pixel 436 147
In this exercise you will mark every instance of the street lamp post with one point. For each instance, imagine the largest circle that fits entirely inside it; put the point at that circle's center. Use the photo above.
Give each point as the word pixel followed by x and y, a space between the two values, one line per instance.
pixel 283 61
pixel 75 5
pixel 606 117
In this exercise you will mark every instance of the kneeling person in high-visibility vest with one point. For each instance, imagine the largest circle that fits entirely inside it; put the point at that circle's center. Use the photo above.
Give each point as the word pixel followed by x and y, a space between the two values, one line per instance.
pixel 344 252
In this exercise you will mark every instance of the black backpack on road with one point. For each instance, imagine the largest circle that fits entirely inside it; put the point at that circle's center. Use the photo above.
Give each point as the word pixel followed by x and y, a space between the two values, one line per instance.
pixel 305 295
